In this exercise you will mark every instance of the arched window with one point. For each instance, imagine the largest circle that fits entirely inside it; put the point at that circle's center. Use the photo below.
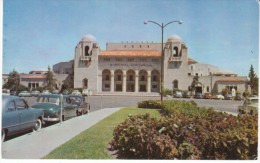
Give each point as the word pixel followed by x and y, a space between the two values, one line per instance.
pixel 175 84
pixel 175 51
pixel 85 83
pixel 86 51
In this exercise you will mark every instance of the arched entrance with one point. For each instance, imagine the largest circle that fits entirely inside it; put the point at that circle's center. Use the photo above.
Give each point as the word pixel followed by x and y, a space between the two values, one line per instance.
pixel 142 81
pixel 118 81
pixel 106 82
pixel 198 87
pixel 130 81
pixel 155 82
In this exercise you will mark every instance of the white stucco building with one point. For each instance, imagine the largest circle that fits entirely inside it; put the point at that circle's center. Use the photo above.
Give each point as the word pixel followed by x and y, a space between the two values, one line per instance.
pixel 135 67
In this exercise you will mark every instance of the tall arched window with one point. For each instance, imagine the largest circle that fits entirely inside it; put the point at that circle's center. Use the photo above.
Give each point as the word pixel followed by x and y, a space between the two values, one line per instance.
pixel 175 84
pixel 85 83
pixel 175 51
pixel 86 51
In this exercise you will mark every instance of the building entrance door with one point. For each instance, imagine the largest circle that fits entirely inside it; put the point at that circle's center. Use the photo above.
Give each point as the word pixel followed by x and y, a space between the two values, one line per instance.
pixel 198 89
pixel 130 88
pixel 119 88
pixel 142 88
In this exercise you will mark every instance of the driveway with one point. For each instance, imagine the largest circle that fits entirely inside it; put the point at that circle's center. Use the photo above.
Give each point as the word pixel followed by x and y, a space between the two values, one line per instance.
pixel 36 145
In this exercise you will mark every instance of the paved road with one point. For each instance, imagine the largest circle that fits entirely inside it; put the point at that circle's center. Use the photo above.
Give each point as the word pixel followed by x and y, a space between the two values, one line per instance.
pixel 36 145
pixel 98 102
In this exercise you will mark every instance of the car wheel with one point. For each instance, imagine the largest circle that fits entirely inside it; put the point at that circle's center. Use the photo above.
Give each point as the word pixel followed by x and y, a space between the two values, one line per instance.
pixel 78 113
pixel 38 125
pixel 3 135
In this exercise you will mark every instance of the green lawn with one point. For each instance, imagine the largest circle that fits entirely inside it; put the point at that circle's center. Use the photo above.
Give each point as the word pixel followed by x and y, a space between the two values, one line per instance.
pixel 92 143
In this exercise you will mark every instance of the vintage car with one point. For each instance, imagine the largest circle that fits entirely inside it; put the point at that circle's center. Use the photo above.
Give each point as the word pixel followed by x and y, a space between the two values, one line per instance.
pixel 18 117
pixel 46 92
pixel 249 107
pixel 177 94
pixel 228 97
pixel 24 94
pixel 80 103
pixel 198 95
pixel 76 92
pixel 218 97
pixel 186 94
pixel 52 104
pixel 35 93
pixel 207 96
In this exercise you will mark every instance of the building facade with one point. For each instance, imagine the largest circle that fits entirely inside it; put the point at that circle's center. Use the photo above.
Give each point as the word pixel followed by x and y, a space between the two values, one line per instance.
pixel 135 67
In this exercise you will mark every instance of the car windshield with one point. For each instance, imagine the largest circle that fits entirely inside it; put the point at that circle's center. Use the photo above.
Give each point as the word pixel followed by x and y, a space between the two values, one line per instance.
pixel 53 100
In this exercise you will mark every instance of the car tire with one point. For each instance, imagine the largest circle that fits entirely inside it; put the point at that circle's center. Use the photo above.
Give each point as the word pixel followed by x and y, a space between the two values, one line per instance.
pixel 3 135
pixel 38 125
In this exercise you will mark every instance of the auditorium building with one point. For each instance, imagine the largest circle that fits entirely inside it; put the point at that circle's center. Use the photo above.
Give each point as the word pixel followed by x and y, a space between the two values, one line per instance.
pixel 135 68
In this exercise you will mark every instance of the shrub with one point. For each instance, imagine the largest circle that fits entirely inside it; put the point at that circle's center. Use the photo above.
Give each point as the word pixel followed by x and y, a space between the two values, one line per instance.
pixel 151 104
pixel 187 132
pixel 139 138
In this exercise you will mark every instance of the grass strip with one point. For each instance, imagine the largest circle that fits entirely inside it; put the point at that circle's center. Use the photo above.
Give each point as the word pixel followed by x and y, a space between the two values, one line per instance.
pixel 92 143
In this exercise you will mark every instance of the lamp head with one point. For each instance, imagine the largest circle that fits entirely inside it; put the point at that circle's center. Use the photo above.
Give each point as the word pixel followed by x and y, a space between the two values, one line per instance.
pixel 180 22
pixel 146 21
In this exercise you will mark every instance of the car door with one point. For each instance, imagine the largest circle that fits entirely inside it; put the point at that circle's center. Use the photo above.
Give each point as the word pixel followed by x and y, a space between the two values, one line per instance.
pixel 10 119
pixel 69 109
pixel 26 118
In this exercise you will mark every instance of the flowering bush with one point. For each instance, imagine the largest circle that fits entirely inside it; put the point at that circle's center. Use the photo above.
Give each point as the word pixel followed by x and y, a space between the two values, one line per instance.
pixel 187 132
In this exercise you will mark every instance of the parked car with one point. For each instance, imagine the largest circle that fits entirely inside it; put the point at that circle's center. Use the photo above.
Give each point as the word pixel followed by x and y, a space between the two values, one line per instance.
pixel 45 92
pixel 177 94
pixel 76 92
pixel 13 93
pixel 55 92
pixel 65 92
pixel 198 95
pixel 6 92
pixel 250 106
pixel 238 97
pixel 228 97
pixel 207 95
pixel 18 117
pixel 52 104
pixel 86 92
pixel 80 103
pixel 218 97
pixel 24 94
pixel 35 93
pixel 186 94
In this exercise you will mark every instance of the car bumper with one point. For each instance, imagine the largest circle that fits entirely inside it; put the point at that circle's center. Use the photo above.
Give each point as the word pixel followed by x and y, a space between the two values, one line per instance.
pixel 48 119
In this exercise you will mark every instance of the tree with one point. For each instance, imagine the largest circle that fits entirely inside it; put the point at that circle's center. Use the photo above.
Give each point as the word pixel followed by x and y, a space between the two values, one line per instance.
pixel 194 83
pixel 50 79
pixel 253 81
pixel 13 81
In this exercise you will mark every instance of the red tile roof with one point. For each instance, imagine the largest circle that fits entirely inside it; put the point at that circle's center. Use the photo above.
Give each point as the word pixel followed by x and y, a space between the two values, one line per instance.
pixel 131 53
pixel 231 80
pixel 192 61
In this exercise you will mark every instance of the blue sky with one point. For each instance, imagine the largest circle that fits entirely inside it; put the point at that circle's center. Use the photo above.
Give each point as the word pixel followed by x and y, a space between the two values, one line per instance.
pixel 38 33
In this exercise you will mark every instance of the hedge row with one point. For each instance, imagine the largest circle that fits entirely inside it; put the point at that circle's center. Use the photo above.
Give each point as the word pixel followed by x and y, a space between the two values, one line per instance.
pixel 187 132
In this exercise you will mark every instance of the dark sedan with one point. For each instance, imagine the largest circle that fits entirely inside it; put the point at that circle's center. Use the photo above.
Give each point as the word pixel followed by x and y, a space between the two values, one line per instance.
pixel 52 104
pixel 18 117
pixel 80 103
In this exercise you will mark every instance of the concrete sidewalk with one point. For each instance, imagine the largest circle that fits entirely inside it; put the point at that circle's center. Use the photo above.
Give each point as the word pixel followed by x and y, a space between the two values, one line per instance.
pixel 36 145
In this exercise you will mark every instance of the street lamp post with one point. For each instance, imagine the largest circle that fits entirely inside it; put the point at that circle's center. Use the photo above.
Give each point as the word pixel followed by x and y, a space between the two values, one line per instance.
pixel 162 56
